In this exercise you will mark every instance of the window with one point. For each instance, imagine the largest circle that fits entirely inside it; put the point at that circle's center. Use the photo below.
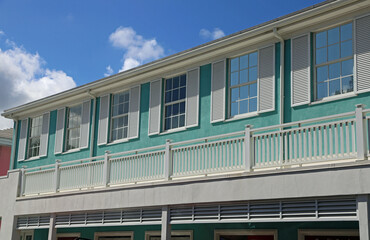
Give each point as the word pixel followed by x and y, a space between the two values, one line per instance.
pixel 73 127
pixel 334 61
pixel 174 102
pixel 34 137
pixel 243 84
pixel 239 234
pixel 175 235
pixel 119 119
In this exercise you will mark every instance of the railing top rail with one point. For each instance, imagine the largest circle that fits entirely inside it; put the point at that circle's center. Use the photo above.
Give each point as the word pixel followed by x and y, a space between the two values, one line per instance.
pixel 208 138
pixel 366 110
pixel 137 150
pixel 307 121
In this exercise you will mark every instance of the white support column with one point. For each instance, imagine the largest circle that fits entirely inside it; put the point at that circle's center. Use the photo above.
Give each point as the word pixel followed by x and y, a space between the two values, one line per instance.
pixel 363 216
pixel 166 226
pixel 360 133
pixel 106 168
pixel 52 230
pixel 248 149
pixel 168 160
pixel 9 228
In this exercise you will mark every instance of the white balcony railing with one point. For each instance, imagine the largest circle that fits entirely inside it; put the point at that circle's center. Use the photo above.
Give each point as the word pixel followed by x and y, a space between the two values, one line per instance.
pixel 326 139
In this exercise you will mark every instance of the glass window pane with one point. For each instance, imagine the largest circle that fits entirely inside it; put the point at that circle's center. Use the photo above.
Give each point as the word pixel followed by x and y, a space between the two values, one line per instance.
pixel 321 39
pixel 127 96
pixel 334 70
pixel 234 64
pixel 333 52
pixel 321 55
pixel 167 124
pixel 175 122
pixel 253 90
pixel 175 109
pixel 346 32
pixel 253 58
pixel 346 49
pixel 120 109
pixel 182 93
pixel 182 120
pixel 182 107
pixel 176 82
pixel 322 90
pixel 244 62
pixel 125 120
pixel 125 132
pixel 234 94
pixel 234 109
pixel 333 35
pixel 175 95
pixel 347 84
pixel 322 73
pixel 168 111
pixel 234 79
pixel 252 74
pixel 183 80
pixel 169 84
pixel 119 133
pixel 252 104
pixel 334 87
pixel 114 135
pixel 244 92
pixel 244 76
pixel 243 105
pixel 347 67
pixel 168 97
pixel 125 107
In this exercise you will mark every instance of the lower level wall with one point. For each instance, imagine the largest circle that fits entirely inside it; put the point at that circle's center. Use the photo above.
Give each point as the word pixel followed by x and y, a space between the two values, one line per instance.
pixel 286 231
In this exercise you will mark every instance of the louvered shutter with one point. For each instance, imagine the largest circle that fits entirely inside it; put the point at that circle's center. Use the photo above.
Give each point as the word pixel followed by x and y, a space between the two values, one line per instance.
pixel 44 139
pixel 218 91
pixel 103 119
pixel 155 107
pixel 300 73
pixel 23 140
pixel 362 30
pixel 59 133
pixel 266 73
pixel 192 98
pixel 134 113
pixel 85 124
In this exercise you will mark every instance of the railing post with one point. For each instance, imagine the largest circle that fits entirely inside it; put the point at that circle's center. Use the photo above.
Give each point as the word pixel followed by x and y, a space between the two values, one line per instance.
pixel 57 175
pixel 106 168
pixel 360 132
pixel 168 160
pixel 248 157
pixel 23 180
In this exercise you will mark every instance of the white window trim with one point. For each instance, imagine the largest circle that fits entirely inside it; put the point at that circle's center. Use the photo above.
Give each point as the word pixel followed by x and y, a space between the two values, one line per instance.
pixel 343 95
pixel 163 111
pixel 66 121
pixel 68 235
pixel 326 232
pixel 238 232
pixel 114 234
pixel 149 234
pixel 110 129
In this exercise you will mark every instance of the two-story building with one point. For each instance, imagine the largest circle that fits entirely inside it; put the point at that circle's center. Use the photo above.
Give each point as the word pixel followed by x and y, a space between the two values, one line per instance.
pixel 260 135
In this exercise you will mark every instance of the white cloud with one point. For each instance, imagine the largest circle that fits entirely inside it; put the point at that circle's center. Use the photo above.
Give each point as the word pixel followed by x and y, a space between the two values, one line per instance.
pixel 2 33
pixel 109 71
pixel 138 50
pixel 216 33
pixel 23 79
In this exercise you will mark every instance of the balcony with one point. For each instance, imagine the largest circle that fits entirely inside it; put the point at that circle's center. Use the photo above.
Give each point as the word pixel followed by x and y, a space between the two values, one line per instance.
pixel 326 140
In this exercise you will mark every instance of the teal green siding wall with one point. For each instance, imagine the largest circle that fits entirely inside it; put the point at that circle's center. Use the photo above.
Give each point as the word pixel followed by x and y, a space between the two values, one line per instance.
pixel 286 231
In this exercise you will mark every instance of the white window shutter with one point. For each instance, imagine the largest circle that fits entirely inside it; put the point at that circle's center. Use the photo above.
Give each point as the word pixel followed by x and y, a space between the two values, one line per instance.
pixel 134 113
pixel 362 46
pixel 59 133
pixel 44 139
pixel 85 124
pixel 103 119
pixel 266 74
pixel 192 98
pixel 218 90
pixel 23 140
pixel 155 107
pixel 300 71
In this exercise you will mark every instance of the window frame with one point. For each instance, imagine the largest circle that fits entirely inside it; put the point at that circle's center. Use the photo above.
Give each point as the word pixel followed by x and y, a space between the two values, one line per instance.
pixel 302 233
pixel 327 63
pixel 66 122
pixel 111 118
pixel 114 234
pixel 229 88
pixel 240 232
pixel 163 96
pixel 149 234
pixel 28 143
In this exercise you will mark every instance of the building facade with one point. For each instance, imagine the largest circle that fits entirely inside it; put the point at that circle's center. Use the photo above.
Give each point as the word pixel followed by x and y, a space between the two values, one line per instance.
pixel 5 150
pixel 263 134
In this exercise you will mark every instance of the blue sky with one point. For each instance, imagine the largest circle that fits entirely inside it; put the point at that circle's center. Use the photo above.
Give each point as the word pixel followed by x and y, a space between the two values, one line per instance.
pixel 56 45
